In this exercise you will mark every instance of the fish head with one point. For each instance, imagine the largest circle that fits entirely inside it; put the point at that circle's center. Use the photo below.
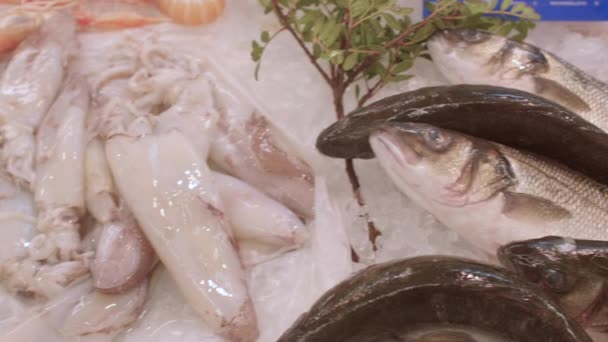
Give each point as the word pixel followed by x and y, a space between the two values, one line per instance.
pixel 574 276
pixel 473 56
pixel 445 167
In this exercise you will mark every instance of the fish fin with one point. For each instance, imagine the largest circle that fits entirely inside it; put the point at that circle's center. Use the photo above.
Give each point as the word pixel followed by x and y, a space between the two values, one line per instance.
pixel 532 209
pixel 560 94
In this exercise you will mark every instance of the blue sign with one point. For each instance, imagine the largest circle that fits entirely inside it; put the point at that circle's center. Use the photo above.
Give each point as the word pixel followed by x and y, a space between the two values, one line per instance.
pixel 566 10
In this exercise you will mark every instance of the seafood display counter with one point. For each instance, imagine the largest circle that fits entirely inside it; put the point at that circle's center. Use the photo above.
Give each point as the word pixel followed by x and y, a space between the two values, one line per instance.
pixel 302 171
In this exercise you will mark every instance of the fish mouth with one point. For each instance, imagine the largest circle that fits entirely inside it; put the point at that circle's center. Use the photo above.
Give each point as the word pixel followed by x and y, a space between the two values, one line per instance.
pixel 389 140
pixel 503 253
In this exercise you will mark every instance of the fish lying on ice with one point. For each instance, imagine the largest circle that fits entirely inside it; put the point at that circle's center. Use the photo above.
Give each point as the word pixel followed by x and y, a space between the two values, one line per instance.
pixel 477 57
pixel 422 298
pixel 573 272
pixel 489 193
pixel 508 116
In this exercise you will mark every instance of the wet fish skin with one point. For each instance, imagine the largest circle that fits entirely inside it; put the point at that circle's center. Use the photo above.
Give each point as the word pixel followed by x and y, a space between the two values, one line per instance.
pixel 573 272
pixel 477 57
pixel 508 116
pixel 490 194
pixel 394 299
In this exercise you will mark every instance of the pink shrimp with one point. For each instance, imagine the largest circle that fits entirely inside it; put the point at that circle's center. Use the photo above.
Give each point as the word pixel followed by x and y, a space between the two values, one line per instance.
pixel 28 15
pixel 134 13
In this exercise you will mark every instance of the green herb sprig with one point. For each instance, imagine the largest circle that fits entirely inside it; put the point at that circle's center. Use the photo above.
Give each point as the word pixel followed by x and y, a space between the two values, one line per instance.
pixel 371 43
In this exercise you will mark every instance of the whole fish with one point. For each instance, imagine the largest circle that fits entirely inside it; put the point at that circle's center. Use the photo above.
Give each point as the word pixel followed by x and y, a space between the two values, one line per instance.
pixel 427 298
pixel 573 272
pixel 508 116
pixel 477 57
pixel 489 193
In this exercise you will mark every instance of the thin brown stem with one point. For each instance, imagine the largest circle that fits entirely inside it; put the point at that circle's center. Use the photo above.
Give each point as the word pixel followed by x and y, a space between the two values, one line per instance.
pixel 339 81
pixel 353 178
pixel 367 62
pixel 338 95
pixel 285 22
pixel 370 93
pixel 372 231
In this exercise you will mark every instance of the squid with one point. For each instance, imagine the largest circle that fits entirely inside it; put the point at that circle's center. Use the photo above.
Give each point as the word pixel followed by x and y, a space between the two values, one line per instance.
pixel 154 186
pixel 263 227
pixel 249 147
pixel 172 198
pixel 78 313
pixel 54 258
pixel 124 257
pixel 30 82
pixel 99 312
pixel 17 218
pixel 59 186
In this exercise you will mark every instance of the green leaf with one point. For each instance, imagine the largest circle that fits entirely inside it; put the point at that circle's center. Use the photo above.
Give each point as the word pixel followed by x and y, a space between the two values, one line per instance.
pixel 316 50
pixel 400 78
pixel 357 91
pixel 350 61
pixel 359 7
pixel 423 33
pixel 376 69
pixel 506 4
pixel 505 29
pixel 336 56
pixel 406 64
pixel 477 7
pixel 256 51
pixel 426 56
pixel 519 8
pixel 334 34
pixel 319 25
pixel 265 37
pixel 267 4
pixel 529 13
pixel 392 22
pixel 439 24
pixel 404 11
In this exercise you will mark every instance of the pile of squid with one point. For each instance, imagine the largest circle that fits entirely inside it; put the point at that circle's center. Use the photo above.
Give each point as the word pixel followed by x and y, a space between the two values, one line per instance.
pixel 154 158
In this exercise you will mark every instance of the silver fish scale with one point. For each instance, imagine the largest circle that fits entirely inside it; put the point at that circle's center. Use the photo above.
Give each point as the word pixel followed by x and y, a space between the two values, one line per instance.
pixel 585 199
pixel 589 89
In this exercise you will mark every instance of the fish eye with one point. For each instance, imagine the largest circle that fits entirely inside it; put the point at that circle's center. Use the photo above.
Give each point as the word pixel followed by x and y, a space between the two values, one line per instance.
pixel 555 280
pixel 434 134
pixel 435 139
pixel 473 36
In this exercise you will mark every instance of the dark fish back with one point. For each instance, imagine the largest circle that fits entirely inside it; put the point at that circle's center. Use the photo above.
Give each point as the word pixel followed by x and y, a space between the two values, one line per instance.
pixel 507 116
pixel 393 299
